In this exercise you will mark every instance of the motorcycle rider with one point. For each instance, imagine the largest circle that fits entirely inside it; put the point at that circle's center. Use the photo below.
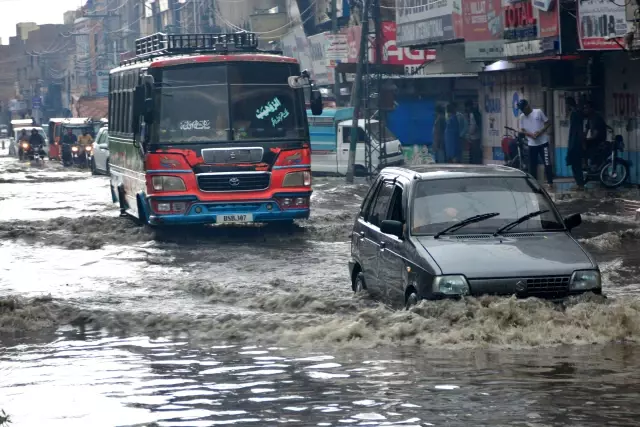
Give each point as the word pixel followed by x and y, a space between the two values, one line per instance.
pixel 22 138
pixel 85 138
pixel 67 140
pixel 36 141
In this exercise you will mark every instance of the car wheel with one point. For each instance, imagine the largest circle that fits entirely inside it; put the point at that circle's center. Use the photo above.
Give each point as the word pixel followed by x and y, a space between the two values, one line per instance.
pixel 359 285
pixel 412 300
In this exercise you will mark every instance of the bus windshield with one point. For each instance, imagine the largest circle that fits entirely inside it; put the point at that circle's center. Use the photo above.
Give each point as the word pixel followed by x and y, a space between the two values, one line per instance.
pixel 233 101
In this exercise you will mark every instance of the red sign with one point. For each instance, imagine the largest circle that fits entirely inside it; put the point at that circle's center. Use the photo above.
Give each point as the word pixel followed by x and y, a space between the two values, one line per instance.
pixel 391 53
pixel 482 20
pixel 519 15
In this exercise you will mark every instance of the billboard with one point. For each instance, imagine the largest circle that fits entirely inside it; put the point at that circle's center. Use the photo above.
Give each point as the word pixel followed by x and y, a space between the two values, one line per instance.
pixel 598 21
pixel 318 44
pixel 426 22
pixel 392 54
pixel 482 29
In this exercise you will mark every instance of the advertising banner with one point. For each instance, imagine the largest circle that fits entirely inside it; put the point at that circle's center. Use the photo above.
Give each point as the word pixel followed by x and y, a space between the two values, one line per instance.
pixel 597 21
pixel 412 59
pixel 102 82
pixel 337 49
pixel 318 44
pixel 483 29
pixel 425 22
pixel 295 45
pixel 531 28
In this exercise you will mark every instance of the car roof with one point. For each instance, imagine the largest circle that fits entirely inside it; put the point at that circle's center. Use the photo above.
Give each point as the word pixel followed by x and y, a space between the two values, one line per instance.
pixel 448 171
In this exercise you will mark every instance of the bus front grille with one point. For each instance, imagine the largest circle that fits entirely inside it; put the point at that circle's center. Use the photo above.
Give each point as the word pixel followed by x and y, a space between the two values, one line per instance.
pixel 216 182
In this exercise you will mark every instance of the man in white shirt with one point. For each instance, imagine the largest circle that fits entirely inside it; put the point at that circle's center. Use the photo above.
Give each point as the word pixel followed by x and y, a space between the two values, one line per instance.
pixel 534 124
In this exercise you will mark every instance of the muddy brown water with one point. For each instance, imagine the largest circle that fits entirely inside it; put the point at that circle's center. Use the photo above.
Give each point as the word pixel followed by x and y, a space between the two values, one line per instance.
pixel 105 323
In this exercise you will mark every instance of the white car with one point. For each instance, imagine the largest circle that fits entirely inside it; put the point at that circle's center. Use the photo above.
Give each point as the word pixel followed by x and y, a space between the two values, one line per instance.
pixel 100 160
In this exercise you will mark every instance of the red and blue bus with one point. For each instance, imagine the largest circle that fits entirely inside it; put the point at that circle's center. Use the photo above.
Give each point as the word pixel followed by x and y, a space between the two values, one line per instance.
pixel 207 129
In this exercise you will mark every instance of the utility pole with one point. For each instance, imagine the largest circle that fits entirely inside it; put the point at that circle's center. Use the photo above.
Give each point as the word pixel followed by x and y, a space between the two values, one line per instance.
pixel 195 19
pixel 334 30
pixel 362 56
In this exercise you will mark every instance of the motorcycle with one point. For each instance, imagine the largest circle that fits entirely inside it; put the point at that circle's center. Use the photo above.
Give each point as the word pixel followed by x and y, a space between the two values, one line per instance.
pixel 81 155
pixel 30 152
pixel 608 167
pixel 515 149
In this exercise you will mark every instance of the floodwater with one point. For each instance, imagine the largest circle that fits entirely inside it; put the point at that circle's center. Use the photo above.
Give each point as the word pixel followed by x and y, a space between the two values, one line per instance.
pixel 106 323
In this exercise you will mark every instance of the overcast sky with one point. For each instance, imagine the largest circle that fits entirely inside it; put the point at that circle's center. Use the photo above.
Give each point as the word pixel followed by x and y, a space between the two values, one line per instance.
pixel 38 11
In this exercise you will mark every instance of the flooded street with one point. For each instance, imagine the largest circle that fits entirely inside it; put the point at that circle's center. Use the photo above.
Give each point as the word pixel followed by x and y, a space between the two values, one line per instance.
pixel 106 323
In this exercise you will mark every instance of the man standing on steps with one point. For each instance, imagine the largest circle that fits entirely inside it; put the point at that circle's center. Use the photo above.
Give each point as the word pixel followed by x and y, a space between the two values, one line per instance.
pixel 535 124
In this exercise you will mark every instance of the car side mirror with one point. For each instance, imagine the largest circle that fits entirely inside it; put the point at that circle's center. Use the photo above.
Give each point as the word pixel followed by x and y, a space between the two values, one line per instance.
pixel 572 221
pixel 392 227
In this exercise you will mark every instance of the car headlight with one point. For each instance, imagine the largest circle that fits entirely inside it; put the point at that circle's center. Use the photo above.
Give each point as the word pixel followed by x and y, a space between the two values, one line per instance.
pixel 168 183
pixel 583 280
pixel 450 285
pixel 297 179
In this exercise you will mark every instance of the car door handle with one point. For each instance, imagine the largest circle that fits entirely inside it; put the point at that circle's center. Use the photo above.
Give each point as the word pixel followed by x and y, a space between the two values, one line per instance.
pixel 345 150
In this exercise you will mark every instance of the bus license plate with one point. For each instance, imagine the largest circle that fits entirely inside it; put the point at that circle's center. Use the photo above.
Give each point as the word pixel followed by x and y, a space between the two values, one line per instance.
pixel 222 219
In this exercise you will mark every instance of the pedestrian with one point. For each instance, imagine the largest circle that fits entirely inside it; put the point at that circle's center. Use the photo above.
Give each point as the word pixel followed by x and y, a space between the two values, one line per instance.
pixel 474 132
pixel 439 127
pixel 575 151
pixel 452 141
pixel 464 143
pixel 596 135
pixel 534 124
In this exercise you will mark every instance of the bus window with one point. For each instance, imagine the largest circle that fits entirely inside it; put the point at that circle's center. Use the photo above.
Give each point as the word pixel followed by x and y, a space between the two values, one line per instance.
pixel 262 103
pixel 193 105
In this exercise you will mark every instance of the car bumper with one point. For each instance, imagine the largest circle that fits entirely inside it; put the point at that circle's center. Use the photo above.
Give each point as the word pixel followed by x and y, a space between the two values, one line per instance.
pixel 204 212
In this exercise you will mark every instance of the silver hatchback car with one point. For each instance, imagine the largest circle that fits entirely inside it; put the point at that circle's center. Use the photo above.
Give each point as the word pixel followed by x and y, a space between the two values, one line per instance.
pixel 439 231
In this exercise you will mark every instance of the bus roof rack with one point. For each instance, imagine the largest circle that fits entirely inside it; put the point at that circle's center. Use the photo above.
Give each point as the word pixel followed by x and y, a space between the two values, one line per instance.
pixel 166 44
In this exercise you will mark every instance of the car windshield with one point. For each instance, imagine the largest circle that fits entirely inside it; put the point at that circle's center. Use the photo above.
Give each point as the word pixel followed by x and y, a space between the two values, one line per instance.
pixel 440 203
pixel 375 132
pixel 219 102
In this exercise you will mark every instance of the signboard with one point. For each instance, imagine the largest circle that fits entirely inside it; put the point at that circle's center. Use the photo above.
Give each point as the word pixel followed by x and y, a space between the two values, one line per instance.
pixel 318 43
pixel 36 102
pixel 102 82
pixel 295 45
pixel 599 20
pixel 529 30
pixel 483 27
pixel 425 22
pixel 337 50
pixel 391 53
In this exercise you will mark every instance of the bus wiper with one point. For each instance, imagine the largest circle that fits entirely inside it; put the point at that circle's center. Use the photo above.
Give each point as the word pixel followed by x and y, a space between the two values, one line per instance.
pixel 519 221
pixel 470 220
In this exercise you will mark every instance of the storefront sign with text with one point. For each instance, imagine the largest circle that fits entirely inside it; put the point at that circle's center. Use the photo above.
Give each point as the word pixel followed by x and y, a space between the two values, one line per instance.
pixel 524 48
pixel 519 21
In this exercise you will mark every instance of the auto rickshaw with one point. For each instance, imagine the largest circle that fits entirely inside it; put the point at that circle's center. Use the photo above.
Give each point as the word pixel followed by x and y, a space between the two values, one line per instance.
pixel 55 132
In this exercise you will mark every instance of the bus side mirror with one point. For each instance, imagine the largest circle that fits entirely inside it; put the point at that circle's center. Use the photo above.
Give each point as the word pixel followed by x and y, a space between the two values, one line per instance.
pixel 315 101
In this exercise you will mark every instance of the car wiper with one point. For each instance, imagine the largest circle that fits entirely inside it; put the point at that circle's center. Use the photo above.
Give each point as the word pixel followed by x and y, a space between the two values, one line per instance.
pixel 520 221
pixel 470 220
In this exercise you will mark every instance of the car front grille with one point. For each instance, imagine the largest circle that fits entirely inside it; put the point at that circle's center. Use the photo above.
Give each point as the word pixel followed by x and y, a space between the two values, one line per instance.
pixel 548 286
pixel 234 181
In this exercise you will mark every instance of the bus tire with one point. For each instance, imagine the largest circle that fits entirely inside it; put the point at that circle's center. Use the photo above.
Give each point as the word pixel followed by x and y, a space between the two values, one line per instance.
pixel 122 200
pixel 143 219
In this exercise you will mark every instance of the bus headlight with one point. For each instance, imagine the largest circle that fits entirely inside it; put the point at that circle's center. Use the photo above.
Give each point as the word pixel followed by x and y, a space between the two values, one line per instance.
pixel 583 280
pixel 450 285
pixel 297 179
pixel 168 183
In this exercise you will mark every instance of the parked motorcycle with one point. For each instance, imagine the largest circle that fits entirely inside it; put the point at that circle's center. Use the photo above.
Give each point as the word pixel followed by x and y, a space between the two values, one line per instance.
pixel 607 165
pixel 515 149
